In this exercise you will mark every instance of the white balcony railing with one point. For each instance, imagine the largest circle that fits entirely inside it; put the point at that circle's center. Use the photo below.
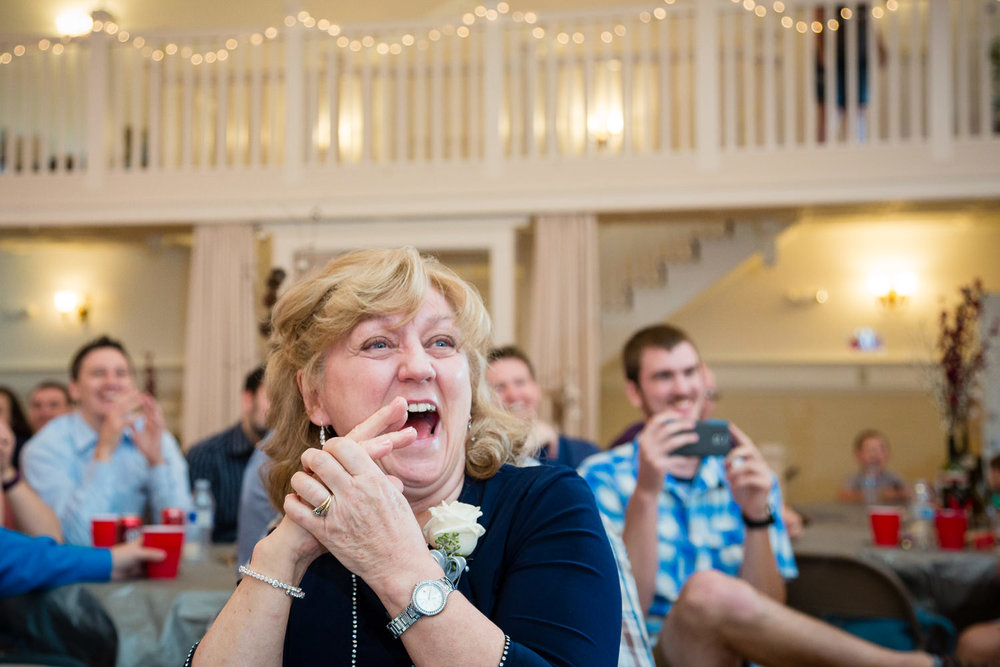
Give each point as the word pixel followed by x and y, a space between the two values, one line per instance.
pixel 703 79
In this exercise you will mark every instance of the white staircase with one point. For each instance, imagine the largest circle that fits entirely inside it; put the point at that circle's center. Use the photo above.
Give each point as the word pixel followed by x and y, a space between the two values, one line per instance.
pixel 650 269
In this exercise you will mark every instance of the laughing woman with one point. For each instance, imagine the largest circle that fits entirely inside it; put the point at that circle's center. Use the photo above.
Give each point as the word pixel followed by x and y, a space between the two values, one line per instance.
pixel 387 446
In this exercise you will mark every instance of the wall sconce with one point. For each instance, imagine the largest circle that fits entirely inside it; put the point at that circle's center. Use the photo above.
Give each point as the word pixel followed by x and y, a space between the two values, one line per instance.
pixel 892 291
pixel 71 304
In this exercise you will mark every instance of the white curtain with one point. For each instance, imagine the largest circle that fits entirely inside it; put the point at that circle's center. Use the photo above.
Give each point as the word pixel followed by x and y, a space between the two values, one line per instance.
pixel 221 343
pixel 565 320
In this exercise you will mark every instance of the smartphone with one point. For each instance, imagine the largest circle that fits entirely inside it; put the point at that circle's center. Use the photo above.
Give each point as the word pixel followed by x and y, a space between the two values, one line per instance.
pixel 713 440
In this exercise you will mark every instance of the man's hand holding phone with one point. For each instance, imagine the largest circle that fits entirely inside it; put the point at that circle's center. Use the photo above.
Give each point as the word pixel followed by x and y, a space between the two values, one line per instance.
pixel 663 434
pixel 748 475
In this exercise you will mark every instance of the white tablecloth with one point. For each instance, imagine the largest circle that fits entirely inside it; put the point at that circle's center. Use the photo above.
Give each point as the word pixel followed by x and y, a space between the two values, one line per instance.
pixel 158 620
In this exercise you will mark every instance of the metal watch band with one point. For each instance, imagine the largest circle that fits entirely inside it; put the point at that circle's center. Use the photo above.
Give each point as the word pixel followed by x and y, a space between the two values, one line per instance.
pixel 402 623
pixel 410 614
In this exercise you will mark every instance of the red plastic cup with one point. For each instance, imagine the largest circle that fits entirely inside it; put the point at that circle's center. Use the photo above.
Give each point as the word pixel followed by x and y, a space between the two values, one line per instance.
pixel 171 540
pixel 950 526
pixel 172 516
pixel 885 525
pixel 104 530
pixel 984 540
pixel 130 528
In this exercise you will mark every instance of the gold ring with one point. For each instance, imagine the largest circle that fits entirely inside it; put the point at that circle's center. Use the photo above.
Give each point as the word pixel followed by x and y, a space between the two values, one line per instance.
pixel 324 507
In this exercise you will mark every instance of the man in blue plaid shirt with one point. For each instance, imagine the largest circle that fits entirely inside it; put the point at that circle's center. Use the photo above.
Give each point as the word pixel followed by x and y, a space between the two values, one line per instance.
pixel 679 515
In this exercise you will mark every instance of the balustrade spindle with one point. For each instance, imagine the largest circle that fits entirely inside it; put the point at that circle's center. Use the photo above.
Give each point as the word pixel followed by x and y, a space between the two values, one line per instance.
pixel 420 134
pixel 962 56
pixel 136 67
pixel 310 109
pixel 589 84
pixel 531 99
pixel 917 74
pixel 203 133
pixel 274 103
pixel 788 120
pixel 551 88
pixel 513 67
pixel 401 72
pixel 338 71
pixel 894 91
pixel 171 95
pixel 454 105
pixel 436 101
pixel 256 103
pixel 367 110
pixel 154 93
pixel 984 67
pixel 381 137
pixel 187 116
pixel 484 100
pixel 666 95
pixel 770 103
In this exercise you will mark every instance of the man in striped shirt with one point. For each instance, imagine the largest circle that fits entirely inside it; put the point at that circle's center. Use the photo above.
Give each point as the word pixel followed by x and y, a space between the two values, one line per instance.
pixel 222 458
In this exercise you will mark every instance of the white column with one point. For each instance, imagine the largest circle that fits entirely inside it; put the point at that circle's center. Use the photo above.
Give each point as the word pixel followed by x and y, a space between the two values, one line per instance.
pixel 503 269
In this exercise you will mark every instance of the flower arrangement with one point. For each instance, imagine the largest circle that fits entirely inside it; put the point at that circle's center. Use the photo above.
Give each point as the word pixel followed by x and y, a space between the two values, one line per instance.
pixel 453 529
pixel 961 356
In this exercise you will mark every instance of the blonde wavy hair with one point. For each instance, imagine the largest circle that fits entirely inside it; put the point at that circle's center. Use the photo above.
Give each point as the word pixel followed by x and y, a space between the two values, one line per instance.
pixel 324 308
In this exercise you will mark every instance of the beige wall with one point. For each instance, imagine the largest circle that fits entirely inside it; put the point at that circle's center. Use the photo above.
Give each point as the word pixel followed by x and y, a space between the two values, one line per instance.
pixel 137 286
pixel 817 429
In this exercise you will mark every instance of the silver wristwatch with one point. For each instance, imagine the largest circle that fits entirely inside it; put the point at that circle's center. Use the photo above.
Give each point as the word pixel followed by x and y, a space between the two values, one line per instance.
pixel 428 599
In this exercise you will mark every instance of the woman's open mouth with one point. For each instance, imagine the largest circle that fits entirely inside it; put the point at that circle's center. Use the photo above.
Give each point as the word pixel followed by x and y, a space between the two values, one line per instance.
pixel 423 417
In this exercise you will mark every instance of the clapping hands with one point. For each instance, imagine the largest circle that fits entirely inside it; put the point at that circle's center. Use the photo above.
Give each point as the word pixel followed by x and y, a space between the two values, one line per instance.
pixel 142 418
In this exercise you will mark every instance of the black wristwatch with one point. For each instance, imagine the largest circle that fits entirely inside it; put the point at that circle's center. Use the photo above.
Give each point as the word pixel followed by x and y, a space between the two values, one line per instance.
pixel 755 524
pixel 8 485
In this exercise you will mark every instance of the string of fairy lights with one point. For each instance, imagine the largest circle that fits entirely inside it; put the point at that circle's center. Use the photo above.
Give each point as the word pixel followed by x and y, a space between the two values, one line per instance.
pixel 460 28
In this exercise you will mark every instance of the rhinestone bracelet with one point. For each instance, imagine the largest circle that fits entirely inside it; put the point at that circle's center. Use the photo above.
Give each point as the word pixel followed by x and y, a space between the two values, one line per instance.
pixel 190 656
pixel 506 649
pixel 288 589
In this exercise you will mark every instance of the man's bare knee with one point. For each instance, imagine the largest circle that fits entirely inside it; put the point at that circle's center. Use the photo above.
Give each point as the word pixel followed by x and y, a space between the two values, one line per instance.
pixel 716 600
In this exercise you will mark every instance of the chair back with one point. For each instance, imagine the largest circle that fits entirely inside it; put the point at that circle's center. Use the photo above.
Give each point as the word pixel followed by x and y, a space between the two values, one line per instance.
pixel 847 587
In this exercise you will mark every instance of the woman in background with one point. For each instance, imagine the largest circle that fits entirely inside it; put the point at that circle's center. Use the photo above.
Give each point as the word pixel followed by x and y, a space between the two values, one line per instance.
pixel 12 414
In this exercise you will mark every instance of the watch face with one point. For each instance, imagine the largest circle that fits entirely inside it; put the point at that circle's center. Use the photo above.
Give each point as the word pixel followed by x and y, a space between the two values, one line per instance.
pixel 429 598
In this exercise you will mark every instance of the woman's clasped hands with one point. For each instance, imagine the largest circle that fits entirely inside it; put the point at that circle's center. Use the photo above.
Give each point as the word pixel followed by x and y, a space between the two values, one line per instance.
pixel 368 524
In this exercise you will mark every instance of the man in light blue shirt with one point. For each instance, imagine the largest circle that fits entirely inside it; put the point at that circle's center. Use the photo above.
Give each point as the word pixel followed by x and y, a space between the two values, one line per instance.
pixel 112 455
pixel 679 515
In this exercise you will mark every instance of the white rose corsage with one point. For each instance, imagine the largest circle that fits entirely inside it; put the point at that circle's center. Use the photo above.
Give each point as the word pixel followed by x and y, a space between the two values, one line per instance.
pixel 453 530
